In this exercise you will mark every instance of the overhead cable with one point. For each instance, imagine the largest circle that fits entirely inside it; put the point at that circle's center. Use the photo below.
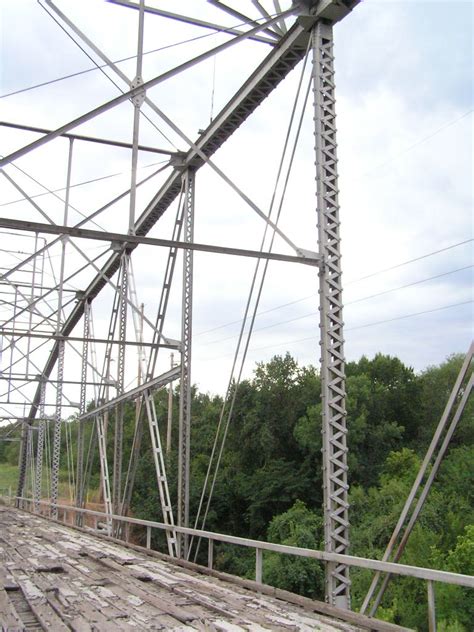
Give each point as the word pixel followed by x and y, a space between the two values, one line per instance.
pixel 363 278
pixel 359 300
pixel 101 68
pixel 366 325
pixel 118 61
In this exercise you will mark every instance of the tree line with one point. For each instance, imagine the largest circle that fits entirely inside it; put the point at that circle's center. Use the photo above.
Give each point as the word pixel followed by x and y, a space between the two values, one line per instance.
pixel 269 485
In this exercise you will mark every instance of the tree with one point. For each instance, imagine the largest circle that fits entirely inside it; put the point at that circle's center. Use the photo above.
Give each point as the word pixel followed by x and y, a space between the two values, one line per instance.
pixel 296 527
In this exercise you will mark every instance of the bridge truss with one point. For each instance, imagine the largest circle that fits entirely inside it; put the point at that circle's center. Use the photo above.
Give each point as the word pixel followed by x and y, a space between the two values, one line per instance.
pixel 78 340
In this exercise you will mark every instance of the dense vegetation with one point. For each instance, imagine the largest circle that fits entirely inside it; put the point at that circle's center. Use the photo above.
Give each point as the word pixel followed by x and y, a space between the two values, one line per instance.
pixel 269 486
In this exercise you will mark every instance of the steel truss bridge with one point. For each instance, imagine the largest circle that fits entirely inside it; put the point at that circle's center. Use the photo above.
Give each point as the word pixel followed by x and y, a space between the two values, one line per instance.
pixel 78 340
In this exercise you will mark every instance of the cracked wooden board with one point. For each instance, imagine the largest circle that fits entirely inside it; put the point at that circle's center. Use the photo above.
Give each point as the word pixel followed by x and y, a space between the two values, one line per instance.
pixel 89 583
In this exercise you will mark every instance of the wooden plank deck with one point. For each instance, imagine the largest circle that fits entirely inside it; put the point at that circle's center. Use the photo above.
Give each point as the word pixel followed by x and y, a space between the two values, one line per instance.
pixel 57 578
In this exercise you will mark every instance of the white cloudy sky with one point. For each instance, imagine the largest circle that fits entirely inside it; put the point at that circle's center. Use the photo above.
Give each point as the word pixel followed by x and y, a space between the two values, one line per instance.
pixel 405 116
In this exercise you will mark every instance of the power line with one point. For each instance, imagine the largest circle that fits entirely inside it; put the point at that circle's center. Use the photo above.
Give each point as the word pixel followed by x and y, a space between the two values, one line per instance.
pixel 426 311
pixel 364 298
pixel 373 324
pixel 363 278
pixel 118 61
pixel 416 143
pixel 80 184
pixel 404 263
pixel 101 68
pixel 402 287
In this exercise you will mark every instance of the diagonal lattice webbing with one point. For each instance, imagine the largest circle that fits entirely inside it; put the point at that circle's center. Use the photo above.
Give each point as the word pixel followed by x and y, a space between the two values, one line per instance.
pixel 331 323
pixel 122 291
pixel 185 383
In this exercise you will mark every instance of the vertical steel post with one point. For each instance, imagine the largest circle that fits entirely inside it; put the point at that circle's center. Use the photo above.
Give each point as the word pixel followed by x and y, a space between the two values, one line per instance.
pixel 39 448
pixel 431 607
pixel 57 432
pixel 60 374
pixel 30 307
pixel 185 384
pixel 30 458
pixel 170 412
pixel 12 345
pixel 22 464
pixel 82 410
pixel 336 522
pixel 119 410
pixel 104 469
pixel 259 566
pixel 137 101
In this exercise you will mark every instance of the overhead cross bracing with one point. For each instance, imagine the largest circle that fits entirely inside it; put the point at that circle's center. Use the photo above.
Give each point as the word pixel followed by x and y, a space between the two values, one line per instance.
pixel 300 31
pixel 276 66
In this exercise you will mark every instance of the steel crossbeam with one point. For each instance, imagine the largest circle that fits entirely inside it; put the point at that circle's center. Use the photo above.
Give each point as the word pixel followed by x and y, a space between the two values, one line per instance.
pixel 336 521
pixel 154 384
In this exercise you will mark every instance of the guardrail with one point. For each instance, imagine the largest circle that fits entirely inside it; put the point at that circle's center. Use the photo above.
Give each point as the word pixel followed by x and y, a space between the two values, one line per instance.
pixel 426 574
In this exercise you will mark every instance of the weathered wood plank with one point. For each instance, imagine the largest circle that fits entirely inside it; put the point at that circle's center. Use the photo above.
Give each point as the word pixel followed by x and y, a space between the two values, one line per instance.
pixel 9 618
pixel 95 583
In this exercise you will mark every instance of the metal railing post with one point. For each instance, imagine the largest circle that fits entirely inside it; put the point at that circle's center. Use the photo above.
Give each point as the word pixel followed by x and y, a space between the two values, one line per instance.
pixel 431 607
pixel 210 553
pixel 258 565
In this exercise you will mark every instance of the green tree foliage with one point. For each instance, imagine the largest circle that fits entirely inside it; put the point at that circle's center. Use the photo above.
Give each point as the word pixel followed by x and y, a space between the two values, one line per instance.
pixel 296 527
pixel 436 383
pixel 270 483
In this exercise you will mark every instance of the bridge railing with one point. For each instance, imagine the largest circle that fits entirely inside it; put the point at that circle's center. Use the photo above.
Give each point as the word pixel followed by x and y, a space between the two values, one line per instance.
pixel 427 574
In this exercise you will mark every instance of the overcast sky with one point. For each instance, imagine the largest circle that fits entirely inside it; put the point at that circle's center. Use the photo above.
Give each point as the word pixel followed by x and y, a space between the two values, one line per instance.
pixel 405 128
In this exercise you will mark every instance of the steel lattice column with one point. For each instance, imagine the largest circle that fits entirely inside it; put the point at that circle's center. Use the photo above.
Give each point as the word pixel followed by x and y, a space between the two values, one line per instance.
pixel 331 323
pixel 185 385
pixel 39 448
pixel 57 432
pixel 119 410
pixel 82 410
pixel 22 463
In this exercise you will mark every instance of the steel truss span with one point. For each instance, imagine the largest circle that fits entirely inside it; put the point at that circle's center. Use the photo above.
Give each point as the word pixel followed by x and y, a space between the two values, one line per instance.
pixel 102 280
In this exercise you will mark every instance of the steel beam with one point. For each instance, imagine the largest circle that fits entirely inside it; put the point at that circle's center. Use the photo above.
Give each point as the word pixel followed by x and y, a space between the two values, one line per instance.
pixel 105 107
pixel 131 241
pixel 39 449
pixel 88 139
pixel 185 379
pixel 82 410
pixel 22 461
pixel 119 410
pixel 57 433
pixel 155 383
pixel 132 343
pixel 334 432
pixel 188 20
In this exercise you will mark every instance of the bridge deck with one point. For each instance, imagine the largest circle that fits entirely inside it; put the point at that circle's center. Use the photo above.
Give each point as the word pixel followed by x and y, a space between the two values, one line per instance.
pixel 57 578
